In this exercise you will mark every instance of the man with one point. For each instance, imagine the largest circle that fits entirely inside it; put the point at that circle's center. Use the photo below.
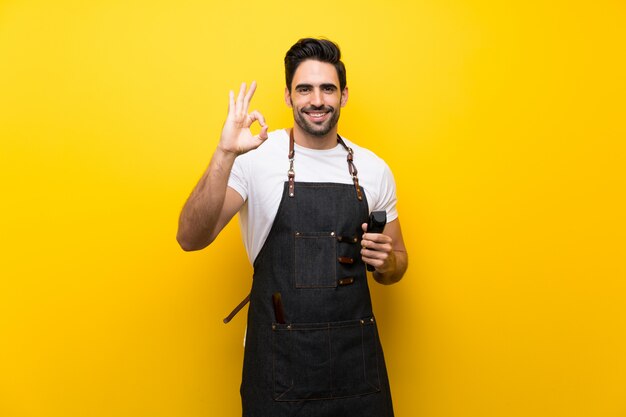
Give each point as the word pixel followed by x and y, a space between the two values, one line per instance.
pixel 312 346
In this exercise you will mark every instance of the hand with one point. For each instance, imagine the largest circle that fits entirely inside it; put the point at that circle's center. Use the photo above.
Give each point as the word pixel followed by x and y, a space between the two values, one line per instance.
pixel 376 250
pixel 236 136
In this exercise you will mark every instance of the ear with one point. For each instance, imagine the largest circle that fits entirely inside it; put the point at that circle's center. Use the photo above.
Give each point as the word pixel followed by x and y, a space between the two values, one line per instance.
pixel 288 98
pixel 344 96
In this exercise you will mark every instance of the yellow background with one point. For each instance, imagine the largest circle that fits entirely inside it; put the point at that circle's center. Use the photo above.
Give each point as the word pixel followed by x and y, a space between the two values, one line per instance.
pixel 502 121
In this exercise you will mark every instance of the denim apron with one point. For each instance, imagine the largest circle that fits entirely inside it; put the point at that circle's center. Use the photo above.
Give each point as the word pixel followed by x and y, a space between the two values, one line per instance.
pixel 312 346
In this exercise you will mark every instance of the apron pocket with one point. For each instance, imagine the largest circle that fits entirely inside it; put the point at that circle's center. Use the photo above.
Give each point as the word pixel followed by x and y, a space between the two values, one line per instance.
pixel 315 260
pixel 314 361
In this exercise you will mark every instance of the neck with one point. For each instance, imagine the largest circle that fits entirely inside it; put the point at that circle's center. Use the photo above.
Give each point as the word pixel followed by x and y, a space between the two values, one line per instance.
pixel 307 140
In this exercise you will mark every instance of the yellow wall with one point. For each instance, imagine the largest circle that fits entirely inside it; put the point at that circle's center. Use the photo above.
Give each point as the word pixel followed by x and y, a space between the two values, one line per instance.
pixel 503 122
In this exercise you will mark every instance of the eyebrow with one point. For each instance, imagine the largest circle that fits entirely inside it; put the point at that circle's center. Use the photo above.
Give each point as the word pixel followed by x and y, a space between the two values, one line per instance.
pixel 324 85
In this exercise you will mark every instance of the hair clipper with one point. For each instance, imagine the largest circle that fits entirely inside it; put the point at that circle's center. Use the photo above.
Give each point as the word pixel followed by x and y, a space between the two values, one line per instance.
pixel 376 224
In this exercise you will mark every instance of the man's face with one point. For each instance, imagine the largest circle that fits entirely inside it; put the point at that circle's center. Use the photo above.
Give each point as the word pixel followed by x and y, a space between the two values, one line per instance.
pixel 315 97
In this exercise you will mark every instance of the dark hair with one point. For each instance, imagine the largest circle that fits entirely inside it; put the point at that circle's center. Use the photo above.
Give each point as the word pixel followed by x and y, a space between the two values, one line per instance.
pixel 317 49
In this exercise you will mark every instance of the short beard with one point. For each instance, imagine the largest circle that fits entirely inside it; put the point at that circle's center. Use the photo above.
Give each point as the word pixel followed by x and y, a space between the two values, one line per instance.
pixel 313 129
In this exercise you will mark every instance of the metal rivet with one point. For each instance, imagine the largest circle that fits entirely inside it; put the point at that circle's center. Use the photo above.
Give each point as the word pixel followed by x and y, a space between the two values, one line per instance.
pixel 362 321
pixel 354 240
pixel 289 326
pixel 290 194
pixel 332 233
pixel 273 326
pixel 372 319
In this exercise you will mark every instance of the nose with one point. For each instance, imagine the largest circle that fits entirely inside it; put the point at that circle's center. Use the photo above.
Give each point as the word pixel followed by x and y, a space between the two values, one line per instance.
pixel 317 99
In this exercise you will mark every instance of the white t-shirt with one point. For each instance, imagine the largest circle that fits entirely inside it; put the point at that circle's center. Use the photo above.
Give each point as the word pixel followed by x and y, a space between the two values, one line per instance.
pixel 259 177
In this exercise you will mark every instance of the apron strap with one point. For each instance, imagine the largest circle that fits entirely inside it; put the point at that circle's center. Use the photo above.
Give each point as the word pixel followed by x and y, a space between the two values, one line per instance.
pixel 351 167
pixel 291 173
pixel 237 309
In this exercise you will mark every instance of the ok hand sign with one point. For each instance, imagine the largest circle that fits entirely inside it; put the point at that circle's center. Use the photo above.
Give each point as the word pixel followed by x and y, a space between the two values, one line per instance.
pixel 236 136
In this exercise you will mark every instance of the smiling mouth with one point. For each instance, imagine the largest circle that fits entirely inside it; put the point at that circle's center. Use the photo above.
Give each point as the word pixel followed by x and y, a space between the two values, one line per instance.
pixel 317 115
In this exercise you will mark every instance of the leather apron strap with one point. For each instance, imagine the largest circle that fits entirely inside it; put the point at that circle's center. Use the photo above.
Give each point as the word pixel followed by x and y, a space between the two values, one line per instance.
pixel 350 159
pixel 237 309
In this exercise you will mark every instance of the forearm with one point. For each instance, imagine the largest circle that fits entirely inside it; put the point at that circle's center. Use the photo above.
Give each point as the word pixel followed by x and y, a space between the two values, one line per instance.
pixel 397 267
pixel 200 215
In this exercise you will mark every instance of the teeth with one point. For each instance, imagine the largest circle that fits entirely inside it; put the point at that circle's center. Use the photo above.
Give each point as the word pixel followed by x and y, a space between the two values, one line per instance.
pixel 317 114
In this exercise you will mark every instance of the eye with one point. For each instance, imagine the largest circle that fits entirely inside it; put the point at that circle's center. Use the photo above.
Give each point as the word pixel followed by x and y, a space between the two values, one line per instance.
pixel 329 89
pixel 303 90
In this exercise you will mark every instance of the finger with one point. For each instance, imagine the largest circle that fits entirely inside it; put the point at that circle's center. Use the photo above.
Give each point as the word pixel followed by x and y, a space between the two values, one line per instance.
pixel 377 238
pixel 376 263
pixel 376 247
pixel 373 255
pixel 385 246
pixel 257 116
pixel 248 97
pixel 231 102
pixel 242 91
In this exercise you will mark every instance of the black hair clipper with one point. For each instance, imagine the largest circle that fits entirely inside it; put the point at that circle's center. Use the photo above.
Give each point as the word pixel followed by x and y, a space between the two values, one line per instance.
pixel 376 224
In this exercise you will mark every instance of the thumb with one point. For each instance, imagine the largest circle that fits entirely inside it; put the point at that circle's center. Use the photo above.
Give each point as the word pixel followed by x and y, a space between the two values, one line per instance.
pixel 263 134
pixel 364 227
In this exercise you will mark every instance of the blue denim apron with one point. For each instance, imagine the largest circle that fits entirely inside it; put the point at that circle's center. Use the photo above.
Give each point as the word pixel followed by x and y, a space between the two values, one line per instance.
pixel 320 355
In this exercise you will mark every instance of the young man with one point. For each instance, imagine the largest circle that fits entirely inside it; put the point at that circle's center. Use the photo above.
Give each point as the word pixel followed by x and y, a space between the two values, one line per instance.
pixel 312 346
